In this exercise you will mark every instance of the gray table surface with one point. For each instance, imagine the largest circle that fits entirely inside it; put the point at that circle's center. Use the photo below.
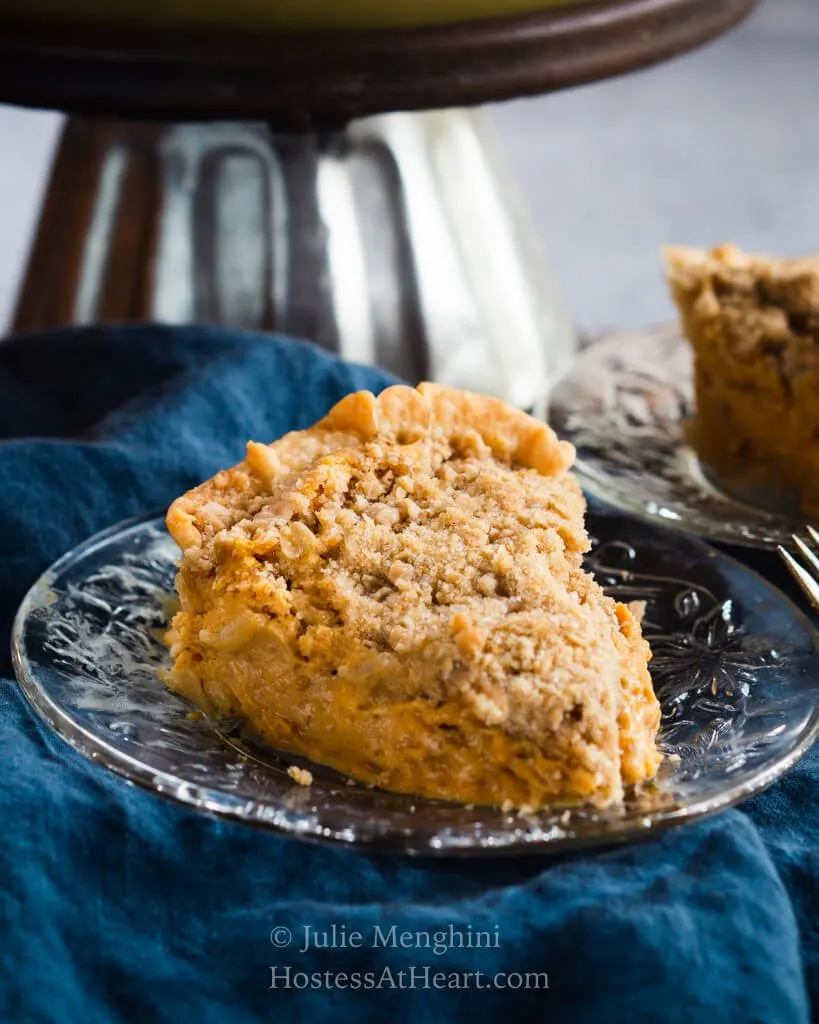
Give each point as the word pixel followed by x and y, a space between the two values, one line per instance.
pixel 720 145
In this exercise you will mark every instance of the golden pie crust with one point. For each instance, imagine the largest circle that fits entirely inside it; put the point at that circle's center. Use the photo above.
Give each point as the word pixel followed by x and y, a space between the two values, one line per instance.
pixel 753 323
pixel 397 593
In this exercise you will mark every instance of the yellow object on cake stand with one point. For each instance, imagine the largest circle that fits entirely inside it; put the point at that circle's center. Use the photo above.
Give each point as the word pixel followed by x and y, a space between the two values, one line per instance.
pixel 274 15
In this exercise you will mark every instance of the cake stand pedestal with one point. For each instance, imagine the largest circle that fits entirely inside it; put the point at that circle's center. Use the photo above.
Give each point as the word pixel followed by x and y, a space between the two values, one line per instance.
pixel 395 239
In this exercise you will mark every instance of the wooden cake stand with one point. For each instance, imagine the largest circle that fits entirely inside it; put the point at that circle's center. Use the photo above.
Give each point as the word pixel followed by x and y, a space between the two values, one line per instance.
pixel 297 80
pixel 239 184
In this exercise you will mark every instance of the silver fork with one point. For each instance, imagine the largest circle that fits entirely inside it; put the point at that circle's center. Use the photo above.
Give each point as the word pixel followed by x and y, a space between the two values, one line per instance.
pixel 808 581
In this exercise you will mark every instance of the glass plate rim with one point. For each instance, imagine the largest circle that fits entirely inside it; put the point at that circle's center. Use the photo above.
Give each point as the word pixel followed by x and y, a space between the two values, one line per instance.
pixel 217 803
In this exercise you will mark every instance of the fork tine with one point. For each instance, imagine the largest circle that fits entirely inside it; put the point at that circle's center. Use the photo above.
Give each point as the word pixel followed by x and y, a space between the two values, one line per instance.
pixel 809 556
pixel 813 534
pixel 808 584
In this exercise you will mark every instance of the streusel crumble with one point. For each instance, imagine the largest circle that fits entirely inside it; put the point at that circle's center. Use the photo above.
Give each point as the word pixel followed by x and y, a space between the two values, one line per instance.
pixel 397 593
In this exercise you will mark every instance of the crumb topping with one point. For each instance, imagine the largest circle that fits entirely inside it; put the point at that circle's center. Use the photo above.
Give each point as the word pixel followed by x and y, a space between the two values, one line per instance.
pixel 410 554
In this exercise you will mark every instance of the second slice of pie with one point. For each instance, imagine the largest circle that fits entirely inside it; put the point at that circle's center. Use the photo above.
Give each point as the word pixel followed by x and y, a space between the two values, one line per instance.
pixel 753 323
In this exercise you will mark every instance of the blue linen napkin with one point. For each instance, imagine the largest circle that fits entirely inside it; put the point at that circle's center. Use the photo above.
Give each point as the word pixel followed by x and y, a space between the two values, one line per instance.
pixel 116 905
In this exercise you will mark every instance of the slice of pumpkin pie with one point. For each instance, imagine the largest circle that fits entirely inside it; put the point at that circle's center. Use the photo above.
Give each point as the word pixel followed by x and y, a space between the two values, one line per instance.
pixel 398 593
pixel 753 325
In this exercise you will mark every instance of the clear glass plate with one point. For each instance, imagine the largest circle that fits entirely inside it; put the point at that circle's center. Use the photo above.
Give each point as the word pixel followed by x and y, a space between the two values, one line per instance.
pixel 626 405
pixel 735 666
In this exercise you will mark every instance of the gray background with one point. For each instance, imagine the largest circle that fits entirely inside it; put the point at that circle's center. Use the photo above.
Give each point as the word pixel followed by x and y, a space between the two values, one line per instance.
pixel 720 145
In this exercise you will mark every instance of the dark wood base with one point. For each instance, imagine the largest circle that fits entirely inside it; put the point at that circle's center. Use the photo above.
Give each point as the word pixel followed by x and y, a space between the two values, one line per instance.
pixel 303 82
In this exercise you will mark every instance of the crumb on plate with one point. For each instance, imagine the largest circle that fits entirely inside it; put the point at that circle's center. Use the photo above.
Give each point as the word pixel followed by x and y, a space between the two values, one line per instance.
pixel 300 775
